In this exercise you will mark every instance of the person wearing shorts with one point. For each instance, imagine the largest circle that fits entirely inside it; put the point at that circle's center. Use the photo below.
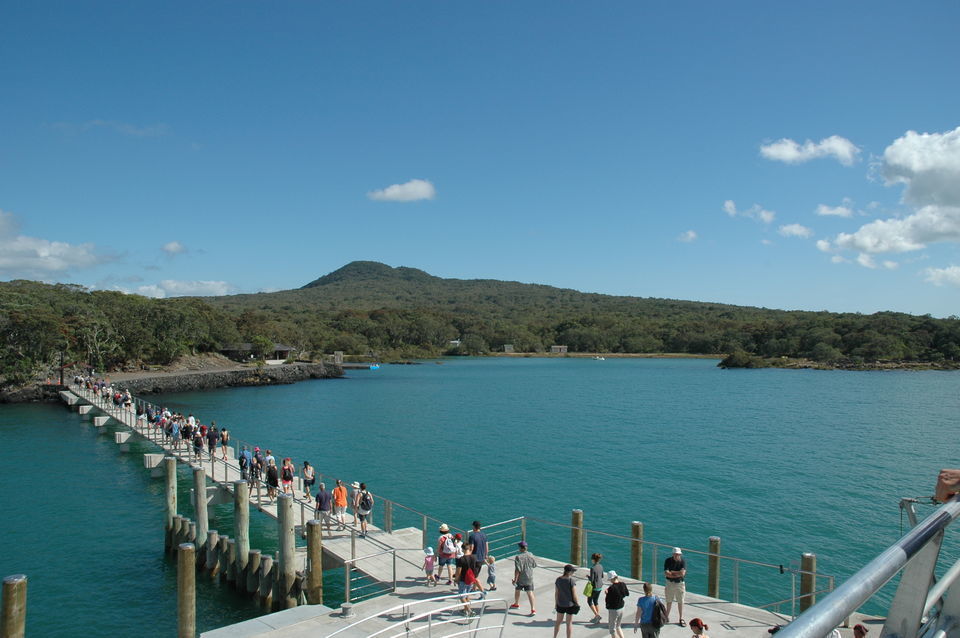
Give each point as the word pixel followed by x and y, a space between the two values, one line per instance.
pixel 565 598
pixel 675 570
pixel 523 565
pixel 446 554
pixel 324 504
pixel 340 504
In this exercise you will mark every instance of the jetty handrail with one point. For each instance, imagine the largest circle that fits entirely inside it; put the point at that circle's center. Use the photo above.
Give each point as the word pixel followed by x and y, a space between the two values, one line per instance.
pixel 407 618
pixel 916 555
pixel 350 563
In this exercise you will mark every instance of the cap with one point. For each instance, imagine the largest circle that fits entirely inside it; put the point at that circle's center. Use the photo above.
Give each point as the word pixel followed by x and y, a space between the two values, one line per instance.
pixel 774 629
pixel 458 536
pixel 677 550
pixel 256 449
pixel 444 528
pixel 861 628
pixel 696 622
pixel 612 575
pixel 522 544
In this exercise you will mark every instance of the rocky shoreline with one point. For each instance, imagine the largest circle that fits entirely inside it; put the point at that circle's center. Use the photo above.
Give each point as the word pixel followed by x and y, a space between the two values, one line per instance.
pixel 187 381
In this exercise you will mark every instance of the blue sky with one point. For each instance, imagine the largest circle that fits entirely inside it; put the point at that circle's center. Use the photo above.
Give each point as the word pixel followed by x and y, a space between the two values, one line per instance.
pixel 797 156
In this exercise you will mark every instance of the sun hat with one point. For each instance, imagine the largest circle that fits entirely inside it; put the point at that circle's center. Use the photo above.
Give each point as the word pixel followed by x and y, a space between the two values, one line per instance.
pixel 612 575
pixel 677 550
pixel 355 485
pixel 444 528
pixel 428 551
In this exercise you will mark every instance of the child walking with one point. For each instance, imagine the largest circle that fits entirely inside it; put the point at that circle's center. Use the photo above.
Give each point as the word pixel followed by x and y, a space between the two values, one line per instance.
pixel 491 573
pixel 429 562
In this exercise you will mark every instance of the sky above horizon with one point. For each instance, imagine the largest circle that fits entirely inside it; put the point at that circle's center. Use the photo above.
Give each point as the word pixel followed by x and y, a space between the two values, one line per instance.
pixel 794 156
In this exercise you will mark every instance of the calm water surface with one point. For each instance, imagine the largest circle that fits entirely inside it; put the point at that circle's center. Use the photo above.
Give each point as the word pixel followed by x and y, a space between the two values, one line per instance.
pixel 775 462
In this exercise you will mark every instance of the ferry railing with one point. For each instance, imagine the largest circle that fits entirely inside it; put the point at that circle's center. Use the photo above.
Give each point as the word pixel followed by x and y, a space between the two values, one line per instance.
pixel 650 568
pixel 921 606
pixel 441 617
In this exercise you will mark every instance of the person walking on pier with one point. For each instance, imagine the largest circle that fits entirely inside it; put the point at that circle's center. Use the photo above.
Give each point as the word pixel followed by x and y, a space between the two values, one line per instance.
pixel 429 565
pixel 324 505
pixel 286 475
pixel 364 508
pixel 198 445
pixel 466 577
pixel 523 565
pixel 675 570
pixel 596 586
pixel 340 504
pixel 224 442
pixel 446 552
pixel 309 478
pixel 565 600
pixel 245 460
pixel 213 435
pixel 646 605
pixel 273 479
pixel 354 500
pixel 616 593
pixel 479 541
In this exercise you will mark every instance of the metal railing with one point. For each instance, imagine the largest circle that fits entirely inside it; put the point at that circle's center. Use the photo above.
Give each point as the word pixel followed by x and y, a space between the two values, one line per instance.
pixel 372 587
pixel 431 621
pixel 922 606
pixel 651 569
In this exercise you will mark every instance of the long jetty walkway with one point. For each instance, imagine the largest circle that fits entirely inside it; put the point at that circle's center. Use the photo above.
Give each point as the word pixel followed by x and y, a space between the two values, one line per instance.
pixel 387 561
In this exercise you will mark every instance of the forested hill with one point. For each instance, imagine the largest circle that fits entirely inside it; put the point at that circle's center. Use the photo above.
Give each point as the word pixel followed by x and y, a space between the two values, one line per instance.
pixel 370 308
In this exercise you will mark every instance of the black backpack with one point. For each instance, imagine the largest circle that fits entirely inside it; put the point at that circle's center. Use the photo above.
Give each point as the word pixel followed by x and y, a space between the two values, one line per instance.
pixel 366 501
pixel 659 613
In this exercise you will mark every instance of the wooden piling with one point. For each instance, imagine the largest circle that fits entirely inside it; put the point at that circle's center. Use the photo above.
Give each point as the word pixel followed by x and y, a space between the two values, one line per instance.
pixel 186 591
pixel 808 581
pixel 13 620
pixel 314 563
pixel 175 532
pixel 713 567
pixel 287 566
pixel 253 571
pixel 636 550
pixel 213 544
pixel 231 570
pixel 241 530
pixel 265 594
pixel 170 468
pixel 222 563
pixel 576 537
pixel 200 504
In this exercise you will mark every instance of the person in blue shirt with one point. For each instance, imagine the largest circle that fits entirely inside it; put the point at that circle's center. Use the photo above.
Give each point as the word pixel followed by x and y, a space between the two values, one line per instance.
pixel 644 617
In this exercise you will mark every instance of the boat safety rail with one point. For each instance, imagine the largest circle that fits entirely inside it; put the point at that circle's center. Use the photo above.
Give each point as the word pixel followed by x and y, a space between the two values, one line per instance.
pixel 919 607
pixel 427 615
pixel 651 554
pixel 368 587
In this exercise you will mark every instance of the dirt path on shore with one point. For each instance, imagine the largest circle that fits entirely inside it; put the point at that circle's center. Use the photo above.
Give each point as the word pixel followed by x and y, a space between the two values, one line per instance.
pixel 184 366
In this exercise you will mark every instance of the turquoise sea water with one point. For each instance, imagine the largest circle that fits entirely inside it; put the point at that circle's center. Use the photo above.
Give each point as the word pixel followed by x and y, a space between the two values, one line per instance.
pixel 775 462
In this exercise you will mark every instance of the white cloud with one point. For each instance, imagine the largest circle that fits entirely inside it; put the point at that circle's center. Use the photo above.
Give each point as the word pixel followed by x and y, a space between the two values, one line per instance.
pixel 928 164
pixel 928 225
pixel 839 259
pixel 795 230
pixel 174 288
pixel 791 152
pixel 34 258
pixel 755 212
pixel 866 260
pixel 943 276
pixel 824 245
pixel 687 236
pixel 174 248
pixel 834 211
pixel 890 265
pixel 414 190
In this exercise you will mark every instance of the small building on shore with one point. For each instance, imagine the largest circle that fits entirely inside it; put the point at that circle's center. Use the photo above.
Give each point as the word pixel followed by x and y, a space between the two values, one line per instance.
pixel 558 349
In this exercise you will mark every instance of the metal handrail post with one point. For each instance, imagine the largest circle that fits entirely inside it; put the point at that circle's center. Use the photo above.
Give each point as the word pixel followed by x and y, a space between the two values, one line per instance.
pixel 653 570
pixel 736 582
pixel 523 528
pixel 394 570
pixel 346 582
pixel 353 545
pixel 425 530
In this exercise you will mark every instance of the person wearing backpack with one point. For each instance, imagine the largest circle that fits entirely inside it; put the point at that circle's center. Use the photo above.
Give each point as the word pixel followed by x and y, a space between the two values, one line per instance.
pixel 651 614
pixel 364 507
pixel 617 592
pixel 446 552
